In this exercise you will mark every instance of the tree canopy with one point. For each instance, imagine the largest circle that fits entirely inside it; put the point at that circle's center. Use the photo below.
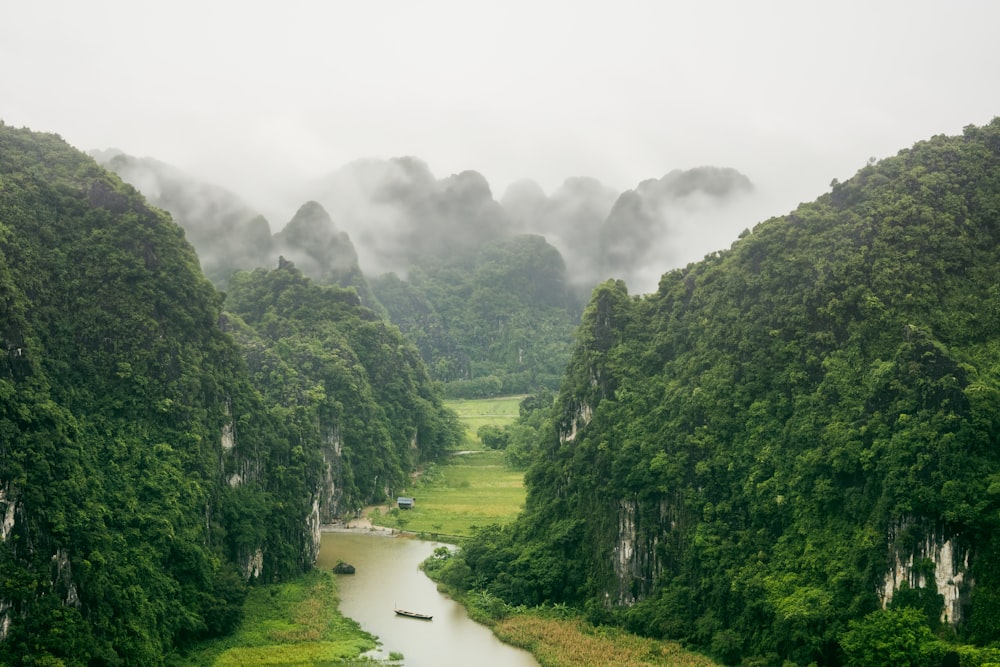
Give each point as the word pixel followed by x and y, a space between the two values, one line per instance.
pixel 157 453
pixel 788 434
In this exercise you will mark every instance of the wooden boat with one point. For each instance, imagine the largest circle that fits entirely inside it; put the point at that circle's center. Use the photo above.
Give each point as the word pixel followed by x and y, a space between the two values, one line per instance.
pixel 412 614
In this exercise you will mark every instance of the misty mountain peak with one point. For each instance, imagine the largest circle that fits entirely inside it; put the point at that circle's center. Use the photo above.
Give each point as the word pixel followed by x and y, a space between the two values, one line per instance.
pixel 468 185
pixel 717 182
pixel 313 243
pixel 313 217
pixel 524 201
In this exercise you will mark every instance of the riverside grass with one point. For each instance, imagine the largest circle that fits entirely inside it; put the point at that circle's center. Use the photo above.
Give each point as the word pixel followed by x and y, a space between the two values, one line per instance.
pixel 575 643
pixel 472 488
pixel 294 623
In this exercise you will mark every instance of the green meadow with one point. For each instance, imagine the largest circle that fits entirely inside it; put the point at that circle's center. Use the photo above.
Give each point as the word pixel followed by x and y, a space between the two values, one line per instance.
pixel 294 623
pixel 471 488
pixel 480 412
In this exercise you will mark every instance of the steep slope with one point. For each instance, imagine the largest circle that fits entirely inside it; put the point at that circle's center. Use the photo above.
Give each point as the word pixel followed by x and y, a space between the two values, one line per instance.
pixel 226 232
pixel 145 474
pixel 790 434
pixel 322 252
pixel 117 389
pixel 354 393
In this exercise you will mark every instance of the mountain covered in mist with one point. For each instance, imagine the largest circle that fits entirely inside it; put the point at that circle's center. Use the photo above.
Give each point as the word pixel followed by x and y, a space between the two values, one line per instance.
pixel 489 290
pixel 399 214
pixel 157 452
pixel 788 454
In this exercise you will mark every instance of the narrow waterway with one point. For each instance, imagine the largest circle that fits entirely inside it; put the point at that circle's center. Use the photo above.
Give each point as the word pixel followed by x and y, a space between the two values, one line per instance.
pixel 388 576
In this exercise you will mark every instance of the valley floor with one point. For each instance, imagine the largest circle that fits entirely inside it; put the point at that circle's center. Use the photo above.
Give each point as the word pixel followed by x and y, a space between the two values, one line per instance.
pixel 300 623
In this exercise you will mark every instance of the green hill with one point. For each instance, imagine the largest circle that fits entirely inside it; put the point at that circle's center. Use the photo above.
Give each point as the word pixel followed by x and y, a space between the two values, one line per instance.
pixel 150 465
pixel 790 435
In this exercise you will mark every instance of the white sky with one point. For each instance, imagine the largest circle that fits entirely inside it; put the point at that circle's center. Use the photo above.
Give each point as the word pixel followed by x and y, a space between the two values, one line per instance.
pixel 255 96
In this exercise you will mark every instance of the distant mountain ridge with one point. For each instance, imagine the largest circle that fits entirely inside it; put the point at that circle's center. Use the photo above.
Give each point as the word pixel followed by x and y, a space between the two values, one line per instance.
pixel 400 214
pixel 432 234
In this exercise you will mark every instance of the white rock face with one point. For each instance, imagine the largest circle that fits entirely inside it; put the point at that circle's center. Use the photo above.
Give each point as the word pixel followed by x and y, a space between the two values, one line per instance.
pixel 635 564
pixel 254 566
pixel 950 567
pixel 583 416
pixel 315 526
pixel 228 435
pixel 228 439
pixel 4 619
pixel 7 507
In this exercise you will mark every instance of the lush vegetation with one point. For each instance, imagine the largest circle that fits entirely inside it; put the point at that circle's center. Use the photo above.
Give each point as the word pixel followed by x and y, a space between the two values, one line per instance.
pixel 474 414
pixel 343 379
pixel 786 455
pixel 788 435
pixel 115 385
pixel 150 465
pixel 475 487
pixel 294 623
pixel 496 320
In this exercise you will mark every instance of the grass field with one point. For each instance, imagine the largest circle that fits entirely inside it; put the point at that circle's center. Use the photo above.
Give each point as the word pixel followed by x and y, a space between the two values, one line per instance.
pixel 575 643
pixel 476 413
pixel 469 489
pixel 295 623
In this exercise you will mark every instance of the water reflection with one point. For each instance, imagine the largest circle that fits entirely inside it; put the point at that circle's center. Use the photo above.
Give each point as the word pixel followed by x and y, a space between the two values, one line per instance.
pixel 388 576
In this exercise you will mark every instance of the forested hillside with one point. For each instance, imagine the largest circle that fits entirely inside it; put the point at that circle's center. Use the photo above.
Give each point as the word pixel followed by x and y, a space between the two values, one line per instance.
pixel 495 321
pixel 488 290
pixel 788 453
pixel 149 465
pixel 225 231
pixel 341 376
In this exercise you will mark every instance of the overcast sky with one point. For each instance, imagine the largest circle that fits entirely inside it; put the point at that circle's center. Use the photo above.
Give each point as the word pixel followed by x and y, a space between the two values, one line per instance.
pixel 255 96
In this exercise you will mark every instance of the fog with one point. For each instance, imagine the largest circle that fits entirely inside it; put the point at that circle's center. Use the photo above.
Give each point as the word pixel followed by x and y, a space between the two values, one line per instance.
pixel 587 100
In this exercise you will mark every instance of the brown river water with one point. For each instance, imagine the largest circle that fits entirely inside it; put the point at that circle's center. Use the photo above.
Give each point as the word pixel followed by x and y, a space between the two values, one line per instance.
pixel 387 577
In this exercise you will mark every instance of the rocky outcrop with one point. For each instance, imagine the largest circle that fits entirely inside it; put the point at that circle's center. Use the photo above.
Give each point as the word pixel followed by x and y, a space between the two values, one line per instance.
pixel 343 568
pixel 928 558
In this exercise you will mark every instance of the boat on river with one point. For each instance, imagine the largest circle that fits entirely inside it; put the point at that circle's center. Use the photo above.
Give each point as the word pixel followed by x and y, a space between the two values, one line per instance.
pixel 412 614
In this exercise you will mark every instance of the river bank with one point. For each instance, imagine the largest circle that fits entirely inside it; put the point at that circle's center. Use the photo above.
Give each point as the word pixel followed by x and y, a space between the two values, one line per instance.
pixel 362 526
pixel 388 577
pixel 293 623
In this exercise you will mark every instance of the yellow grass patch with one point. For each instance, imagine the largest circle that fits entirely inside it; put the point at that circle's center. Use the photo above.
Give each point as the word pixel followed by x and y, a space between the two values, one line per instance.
pixel 574 643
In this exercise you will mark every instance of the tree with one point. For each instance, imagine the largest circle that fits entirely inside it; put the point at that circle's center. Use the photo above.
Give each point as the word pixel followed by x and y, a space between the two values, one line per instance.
pixel 898 637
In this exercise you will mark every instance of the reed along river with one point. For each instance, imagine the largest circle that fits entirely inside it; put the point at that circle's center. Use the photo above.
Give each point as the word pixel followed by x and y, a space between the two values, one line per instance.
pixel 388 576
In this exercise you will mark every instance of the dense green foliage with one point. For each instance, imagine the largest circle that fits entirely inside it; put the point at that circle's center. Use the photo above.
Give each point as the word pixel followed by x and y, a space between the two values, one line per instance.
pixel 495 321
pixel 145 474
pixel 744 457
pixel 341 377
pixel 114 380
pixel 490 311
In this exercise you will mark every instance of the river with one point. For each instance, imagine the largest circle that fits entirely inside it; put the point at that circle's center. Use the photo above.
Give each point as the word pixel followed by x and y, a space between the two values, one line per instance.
pixel 388 576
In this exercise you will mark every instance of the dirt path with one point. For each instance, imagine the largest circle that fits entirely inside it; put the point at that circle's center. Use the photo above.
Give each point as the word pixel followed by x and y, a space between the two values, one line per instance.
pixel 361 524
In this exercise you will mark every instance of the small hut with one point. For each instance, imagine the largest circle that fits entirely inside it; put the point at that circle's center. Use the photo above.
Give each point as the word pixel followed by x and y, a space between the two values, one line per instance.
pixel 405 503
